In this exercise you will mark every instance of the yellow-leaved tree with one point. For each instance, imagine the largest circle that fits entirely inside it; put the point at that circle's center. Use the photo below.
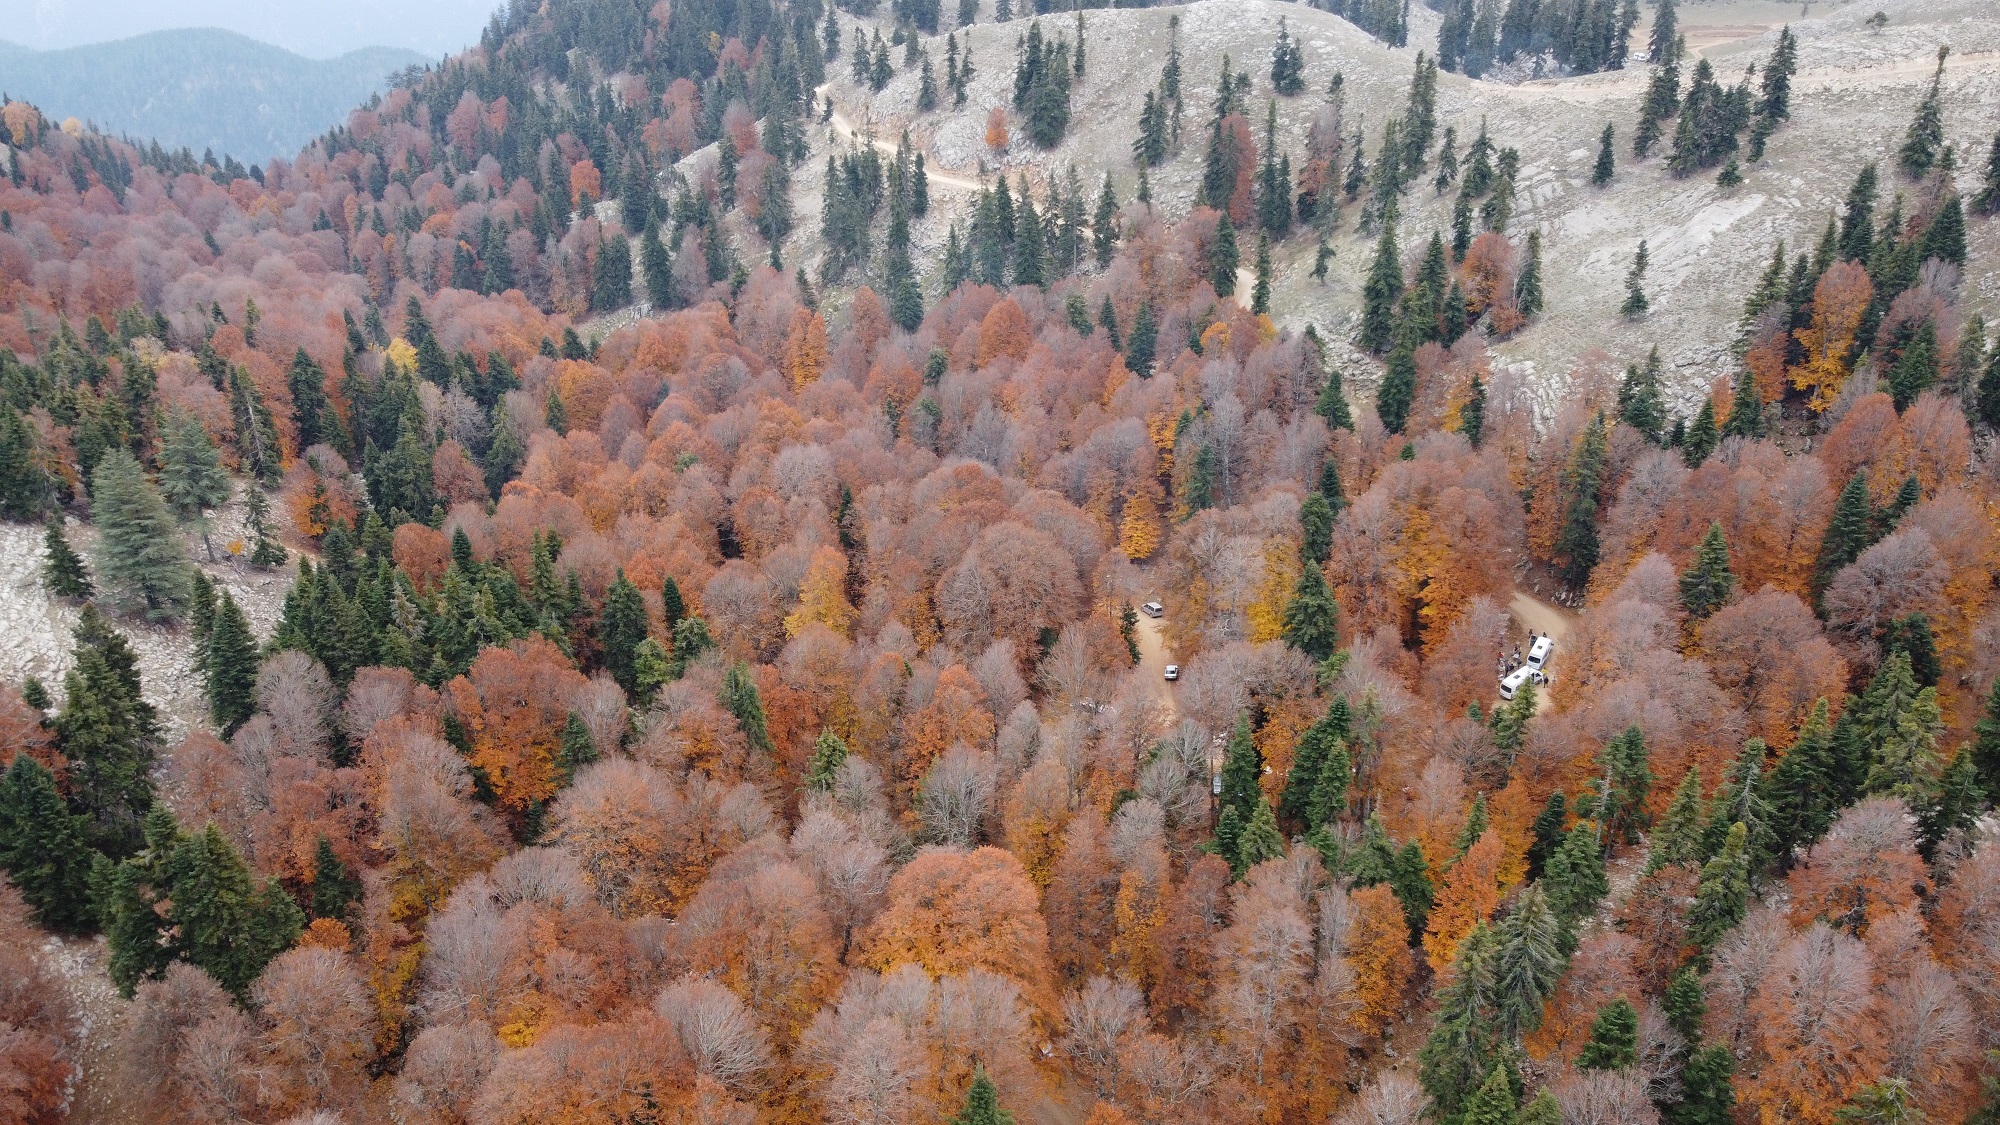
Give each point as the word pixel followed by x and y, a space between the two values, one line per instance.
pixel 1139 525
pixel 823 595
pixel 1274 591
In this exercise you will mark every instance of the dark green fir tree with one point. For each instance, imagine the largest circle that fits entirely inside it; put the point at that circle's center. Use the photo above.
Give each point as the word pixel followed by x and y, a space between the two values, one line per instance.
pixel 741 699
pixel 230 667
pixel 63 570
pixel 43 848
pixel 1707 582
pixel 1312 617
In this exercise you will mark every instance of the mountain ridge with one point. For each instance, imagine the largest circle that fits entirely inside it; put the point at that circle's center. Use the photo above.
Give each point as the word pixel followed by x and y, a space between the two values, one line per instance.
pixel 202 88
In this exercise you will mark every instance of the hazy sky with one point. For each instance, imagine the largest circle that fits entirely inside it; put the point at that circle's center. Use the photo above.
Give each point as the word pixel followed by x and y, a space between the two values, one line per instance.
pixel 315 28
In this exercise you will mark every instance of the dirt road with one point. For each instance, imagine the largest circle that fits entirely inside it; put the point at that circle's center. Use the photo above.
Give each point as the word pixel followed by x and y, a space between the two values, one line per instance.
pixel 1153 661
pixel 1536 616
pixel 938 177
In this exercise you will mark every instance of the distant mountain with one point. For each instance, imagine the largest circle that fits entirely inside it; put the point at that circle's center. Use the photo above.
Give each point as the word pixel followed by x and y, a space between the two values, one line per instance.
pixel 201 87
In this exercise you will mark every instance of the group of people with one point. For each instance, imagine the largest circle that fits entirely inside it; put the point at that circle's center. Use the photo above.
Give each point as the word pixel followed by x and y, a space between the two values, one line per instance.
pixel 1514 660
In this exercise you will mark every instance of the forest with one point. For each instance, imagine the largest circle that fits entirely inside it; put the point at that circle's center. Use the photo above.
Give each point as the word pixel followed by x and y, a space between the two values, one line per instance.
pixel 712 691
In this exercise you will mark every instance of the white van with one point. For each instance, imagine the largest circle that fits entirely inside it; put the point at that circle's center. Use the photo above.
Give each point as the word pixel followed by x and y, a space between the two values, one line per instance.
pixel 1153 609
pixel 1524 674
pixel 1539 652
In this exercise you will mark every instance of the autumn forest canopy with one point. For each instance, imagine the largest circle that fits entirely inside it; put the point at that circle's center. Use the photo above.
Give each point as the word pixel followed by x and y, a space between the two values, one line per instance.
pixel 706 681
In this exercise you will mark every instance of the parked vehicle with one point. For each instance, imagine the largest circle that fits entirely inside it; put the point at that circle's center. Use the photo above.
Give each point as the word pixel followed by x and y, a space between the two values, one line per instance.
pixel 1173 671
pixel 1524 674
pixel 1153 609
pixel 1540 651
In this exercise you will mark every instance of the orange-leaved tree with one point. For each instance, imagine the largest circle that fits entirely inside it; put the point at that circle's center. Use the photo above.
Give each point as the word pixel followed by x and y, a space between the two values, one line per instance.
pixel 1470 892
pixel 1839 301
pixel 952 911
pixel 513 703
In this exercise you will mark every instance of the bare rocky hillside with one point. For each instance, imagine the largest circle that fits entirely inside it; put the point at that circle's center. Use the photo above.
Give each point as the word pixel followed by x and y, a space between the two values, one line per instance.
pixel 1852 99
pixel 38 627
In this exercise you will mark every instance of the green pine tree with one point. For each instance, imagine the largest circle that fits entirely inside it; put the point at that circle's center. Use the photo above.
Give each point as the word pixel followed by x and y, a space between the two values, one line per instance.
pixel 134 929
pixel 1985 745
pixel 43 848
pixel 257 448
pixel 1641 402
pixel 1457 1060
pixel 1223 258
pixel 1139 346
pixel 1320 740
pixel 1030 254
pixel 1382 290
pixel 741 699
pixel 1104 226
pixel 267 551
pixel 1332 406
pixel 1316 518
pixel 1740 799
pixel 575 748
pixel 691 639
pixel 1242 765
pixel 1576 542
pixel 225 922
pixel 1685 1003
pixel 1614 1038
pixel 335 890
pixel 1528 287
pixel 1848 533
pixel 1259 840
pixel 1574 876
pixel 1906 762
pixel 1472 413
pixel 1630 778
pixel 1707 1096
pixel 107 732
pixel 1723 893
pixel 1398 390
pixel 1607 160
pixel 1546 835
pixel 656 268
pixel 1746 408
pixel 1801 788
pixel 1678 837
pixel 1952 805
pixel 1700 439
pixel 1495 1103
pixel 1529 959
pixel 1923 141
pixel 230 667
pixel 1260 299
pixel 1707 583
pixel 64 571
pixel 1635 286
pixel 1510 722
pixel 1916 370
pixel 139 556
pixel 1886 1101
pixel 1312 618
pixel 621 626
pixel 1912 637
pixel 829 754
pixel 982 1102
pixel 1542 1109
pixel 24 478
